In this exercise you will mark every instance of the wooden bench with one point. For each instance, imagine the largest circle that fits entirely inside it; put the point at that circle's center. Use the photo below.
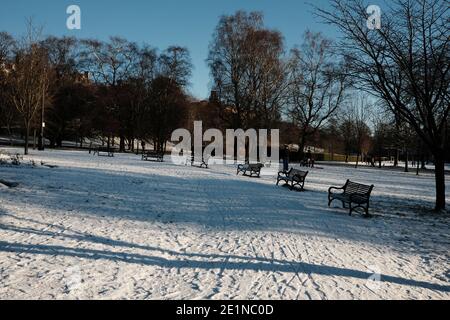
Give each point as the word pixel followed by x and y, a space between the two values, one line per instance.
pixel 152 155
pixel 203 163
pixel 353 193
pixel 104 151
pixel 293 178
pixel 254 169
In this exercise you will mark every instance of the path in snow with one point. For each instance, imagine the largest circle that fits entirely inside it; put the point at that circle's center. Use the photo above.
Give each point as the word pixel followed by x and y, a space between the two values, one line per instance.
pixel 121 228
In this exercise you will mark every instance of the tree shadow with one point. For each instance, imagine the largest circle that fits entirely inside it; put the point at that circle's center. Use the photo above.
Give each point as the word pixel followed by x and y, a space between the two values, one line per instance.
pixel 257 264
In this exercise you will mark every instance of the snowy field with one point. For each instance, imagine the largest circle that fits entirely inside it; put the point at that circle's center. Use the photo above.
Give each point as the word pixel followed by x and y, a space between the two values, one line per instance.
pixel 120 228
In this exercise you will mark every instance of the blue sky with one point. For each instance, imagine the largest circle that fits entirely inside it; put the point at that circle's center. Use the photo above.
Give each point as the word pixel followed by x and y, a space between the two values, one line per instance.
pixel 162 23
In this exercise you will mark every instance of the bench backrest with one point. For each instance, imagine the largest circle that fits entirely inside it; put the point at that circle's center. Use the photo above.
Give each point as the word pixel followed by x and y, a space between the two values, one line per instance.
pixel 353 187
pixel 255 166
pixel 297 173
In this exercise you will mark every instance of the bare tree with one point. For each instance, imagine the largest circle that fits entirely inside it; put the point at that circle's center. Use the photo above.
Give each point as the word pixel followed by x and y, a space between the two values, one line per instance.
pixel 145 71
pixel 265 77
pixel 316 85
pixel 358 114
pixel 406 63
pixel 383 136
pixel 167 110
pixel 29 79
pixel 110 64
pixel 63 54
pixel 175 63
pixel 7 110
pixel 248 71
pixel 6 45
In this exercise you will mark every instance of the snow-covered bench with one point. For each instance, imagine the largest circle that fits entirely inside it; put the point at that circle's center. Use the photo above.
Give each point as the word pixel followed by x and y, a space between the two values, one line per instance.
pixel 353 193
pixel 254 169
pixel 293 177
pixel 104 151
pixel 152 155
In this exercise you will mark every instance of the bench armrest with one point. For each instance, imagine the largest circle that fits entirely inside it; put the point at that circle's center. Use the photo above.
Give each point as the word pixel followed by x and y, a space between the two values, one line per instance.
pixel 335 188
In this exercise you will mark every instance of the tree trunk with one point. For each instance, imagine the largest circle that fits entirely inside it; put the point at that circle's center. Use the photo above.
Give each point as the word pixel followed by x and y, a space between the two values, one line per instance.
pixel 302 147
pixel 396 158
pixel 357 160
pixel 122 144
pixel 406 162
pixel 131 145
pixel 440 181
pixel 34 139
pixel 8 126
pixel 417 168
pixel 27 135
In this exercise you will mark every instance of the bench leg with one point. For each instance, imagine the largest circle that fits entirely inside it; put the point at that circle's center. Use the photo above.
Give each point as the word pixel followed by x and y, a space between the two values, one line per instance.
pixel 330 200
pixel 367 210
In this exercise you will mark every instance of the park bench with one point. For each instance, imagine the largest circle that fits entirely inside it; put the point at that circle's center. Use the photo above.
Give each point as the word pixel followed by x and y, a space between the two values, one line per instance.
pixel 104 151
pixel 292 178
pixel 352 193
pixel 200 163
pixel 254 169
pixel 153 155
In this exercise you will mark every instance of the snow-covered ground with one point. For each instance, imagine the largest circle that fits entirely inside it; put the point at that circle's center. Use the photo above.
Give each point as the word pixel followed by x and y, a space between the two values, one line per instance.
pixel 112 228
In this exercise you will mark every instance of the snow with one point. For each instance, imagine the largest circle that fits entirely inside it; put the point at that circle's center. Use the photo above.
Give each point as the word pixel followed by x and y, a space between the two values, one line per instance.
pixel 121 228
